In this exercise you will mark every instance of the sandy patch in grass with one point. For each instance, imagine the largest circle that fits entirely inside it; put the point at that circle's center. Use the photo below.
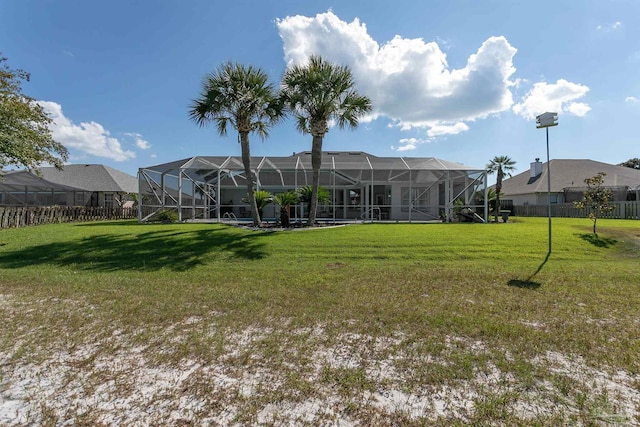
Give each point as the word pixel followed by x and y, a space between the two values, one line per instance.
pixel 264 376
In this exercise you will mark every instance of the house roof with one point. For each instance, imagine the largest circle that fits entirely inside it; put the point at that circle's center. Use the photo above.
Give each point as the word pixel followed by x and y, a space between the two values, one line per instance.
pixel 23 180
pixel 568 173
pixel 92 177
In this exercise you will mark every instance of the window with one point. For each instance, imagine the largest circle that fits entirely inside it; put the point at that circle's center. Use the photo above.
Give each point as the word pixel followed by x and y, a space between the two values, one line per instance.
pixel 79 198
pixel 108 200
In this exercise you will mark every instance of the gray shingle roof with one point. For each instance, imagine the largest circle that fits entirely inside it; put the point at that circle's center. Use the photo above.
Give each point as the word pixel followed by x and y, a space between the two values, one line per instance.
pixel 19 180
pixel 567 173
pixel 92 177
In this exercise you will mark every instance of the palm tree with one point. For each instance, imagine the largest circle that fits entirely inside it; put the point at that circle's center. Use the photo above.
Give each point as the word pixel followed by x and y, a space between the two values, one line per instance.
pixel 306 192
pixel 262 199
pixel 241 96
pixel 316 93
pixel 285 200
pixel 502 165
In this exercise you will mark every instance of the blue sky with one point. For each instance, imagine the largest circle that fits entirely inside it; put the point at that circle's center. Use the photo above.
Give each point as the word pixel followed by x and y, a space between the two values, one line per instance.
pixel 458 80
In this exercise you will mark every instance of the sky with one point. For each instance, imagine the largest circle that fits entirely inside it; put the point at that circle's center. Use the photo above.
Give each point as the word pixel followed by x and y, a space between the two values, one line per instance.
pixel 460 80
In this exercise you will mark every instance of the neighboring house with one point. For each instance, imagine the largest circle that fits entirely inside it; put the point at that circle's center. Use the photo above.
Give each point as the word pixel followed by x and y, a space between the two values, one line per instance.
pixel 76 185
pixel 23 188
pixel 567 182
pixel 109 187
pixel 362 186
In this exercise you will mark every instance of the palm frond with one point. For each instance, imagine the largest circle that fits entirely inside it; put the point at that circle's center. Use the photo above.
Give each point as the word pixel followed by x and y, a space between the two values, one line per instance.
pixel 286 199
pixel 321 91
pixel 238 95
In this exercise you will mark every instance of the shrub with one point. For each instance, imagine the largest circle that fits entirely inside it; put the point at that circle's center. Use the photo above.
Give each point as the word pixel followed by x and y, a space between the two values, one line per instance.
pixel 167 215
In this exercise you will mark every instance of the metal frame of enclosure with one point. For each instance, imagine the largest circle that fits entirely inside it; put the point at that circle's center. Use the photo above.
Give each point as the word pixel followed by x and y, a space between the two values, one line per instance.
pixel 362 187
pixel 24 188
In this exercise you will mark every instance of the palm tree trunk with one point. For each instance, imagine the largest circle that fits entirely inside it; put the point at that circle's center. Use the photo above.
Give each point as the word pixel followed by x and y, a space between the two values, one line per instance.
pixel 316 161
pixel 246 161
pixel 285 216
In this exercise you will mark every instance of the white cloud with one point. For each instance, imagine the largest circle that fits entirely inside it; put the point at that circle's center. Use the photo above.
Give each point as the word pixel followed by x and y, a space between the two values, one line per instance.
pixel 579 109
pixel 631 99
pixel 408 80
pixel 609 27
pixel 90 137
pixel 557 97
pixel 407 147
pixel 407 144
pixel 440 130
pixel 140 142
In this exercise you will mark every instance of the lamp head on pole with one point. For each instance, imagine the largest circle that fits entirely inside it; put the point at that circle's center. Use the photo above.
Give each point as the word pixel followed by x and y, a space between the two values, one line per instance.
pixel 546 120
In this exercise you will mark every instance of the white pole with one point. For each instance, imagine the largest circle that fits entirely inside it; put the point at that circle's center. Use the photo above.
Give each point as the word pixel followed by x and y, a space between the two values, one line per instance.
pixel 549 189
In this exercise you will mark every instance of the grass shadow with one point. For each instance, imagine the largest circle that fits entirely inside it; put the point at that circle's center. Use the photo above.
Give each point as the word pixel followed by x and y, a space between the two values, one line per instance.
pixel 174 248
pixel 111 222
pixel 528 283
pixel 594 239
pixel 524 284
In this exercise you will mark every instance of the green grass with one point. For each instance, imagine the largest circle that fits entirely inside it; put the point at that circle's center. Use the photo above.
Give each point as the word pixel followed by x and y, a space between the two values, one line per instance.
pixel 439 305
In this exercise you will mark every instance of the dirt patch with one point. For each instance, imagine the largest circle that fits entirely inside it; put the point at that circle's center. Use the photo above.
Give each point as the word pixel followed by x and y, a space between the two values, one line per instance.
pixel 306 378
pixel 335 265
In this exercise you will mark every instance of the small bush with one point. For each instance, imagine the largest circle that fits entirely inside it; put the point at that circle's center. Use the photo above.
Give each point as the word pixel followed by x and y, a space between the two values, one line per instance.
pixel 167 215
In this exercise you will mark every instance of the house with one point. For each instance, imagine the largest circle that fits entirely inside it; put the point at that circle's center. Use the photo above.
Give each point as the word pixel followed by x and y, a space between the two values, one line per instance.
pixel 362 186
pixel 567 182
pixel 24 188
pixel 109 187
pixel 76 185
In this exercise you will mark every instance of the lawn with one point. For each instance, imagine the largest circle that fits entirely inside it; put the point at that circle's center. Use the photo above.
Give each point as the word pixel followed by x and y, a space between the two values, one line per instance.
pixel 118 323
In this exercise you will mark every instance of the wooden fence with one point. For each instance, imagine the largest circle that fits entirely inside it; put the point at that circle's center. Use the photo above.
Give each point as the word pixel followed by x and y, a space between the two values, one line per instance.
pixel 622 210
pixel 11 217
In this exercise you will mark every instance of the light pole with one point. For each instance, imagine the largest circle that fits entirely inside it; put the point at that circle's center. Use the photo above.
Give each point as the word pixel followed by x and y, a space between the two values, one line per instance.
pixel 546 120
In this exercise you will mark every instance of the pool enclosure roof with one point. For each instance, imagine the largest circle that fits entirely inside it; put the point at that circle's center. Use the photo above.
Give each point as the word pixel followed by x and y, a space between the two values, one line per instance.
pixel 347 167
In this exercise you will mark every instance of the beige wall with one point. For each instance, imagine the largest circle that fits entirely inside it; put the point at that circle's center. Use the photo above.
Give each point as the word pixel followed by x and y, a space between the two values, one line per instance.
pixel 533 199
